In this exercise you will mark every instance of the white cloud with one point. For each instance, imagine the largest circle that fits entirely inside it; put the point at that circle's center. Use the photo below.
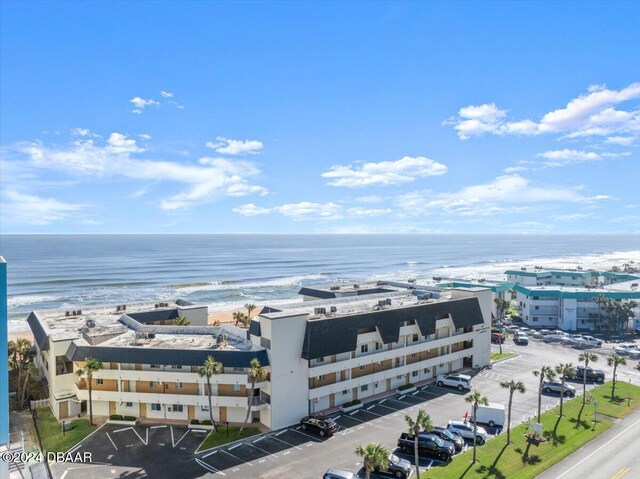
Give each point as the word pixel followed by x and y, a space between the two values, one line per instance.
pixel 144 136
pixel 568 157
pixel 227 146
pixel 309 210
pixel 515 169
pixel 384 173
pixel 620 140
pixel 587 115
pixel 80 131
pixel 251 210
pixel 356 211
pixel 140 104
pixel 36 210
pixel 573 217
pixel 166 94
pixel 212 178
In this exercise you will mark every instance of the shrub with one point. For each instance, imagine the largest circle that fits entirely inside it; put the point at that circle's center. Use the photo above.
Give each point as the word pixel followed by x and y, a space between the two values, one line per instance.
pixel 194 421
pixel 406 386
pixel 207 422
pixel 130 418
pixel 116 417
pixel 352 403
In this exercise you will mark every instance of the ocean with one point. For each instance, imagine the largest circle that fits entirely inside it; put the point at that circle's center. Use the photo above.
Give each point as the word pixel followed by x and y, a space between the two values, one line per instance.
pixel 226 271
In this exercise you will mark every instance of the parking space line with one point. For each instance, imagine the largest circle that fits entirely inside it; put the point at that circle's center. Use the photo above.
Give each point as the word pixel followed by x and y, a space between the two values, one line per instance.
pixel 210 454
pixel 259 439
pixel 208 467
pixel 280 433
pixel 373 413
pixel 371 407
pixel 181 438
pixel 158 427
pixel 305 434
pixel 356 419
pixel 260 449
pixel 402 397
pixel 234 446
pixel 114 444
pixel 123 429
pixel 140 437
pixel 390 408
pixel 354 412
pixel 236 458
pixel 285 442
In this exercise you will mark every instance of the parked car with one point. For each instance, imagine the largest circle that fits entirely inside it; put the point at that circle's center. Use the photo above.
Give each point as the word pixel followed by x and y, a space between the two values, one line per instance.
pixel 497 338
pixel 634 353
pixel 447 435
pixel 596 375
pixel 539 334
pixel 571 339
pixel 465 429
pixel 521 338
pixel 325 426
pixel 397 467
pixel 339 474
pixel 458 381
pixel 623 349
pixel 429 445
pixel 556 387
pixel 555 337
pixel 591 341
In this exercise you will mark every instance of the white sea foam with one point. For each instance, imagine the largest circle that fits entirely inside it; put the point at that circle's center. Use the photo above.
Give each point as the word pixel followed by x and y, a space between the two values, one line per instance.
pixel 26 299
pixel 266 284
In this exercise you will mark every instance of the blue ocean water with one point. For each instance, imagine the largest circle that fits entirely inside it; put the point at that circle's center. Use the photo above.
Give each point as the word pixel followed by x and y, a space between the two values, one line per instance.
pixel 224 271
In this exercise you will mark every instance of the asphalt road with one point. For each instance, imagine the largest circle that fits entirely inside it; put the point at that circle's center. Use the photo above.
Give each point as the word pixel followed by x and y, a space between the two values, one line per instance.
pixel 612 455
pixel 293 453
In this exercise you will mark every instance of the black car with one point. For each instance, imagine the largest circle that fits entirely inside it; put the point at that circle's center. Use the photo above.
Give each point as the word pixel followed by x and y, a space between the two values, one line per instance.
pixel 397 467
pixel 444 433
pixel 596 375
pixel 325 426
pixel 429 445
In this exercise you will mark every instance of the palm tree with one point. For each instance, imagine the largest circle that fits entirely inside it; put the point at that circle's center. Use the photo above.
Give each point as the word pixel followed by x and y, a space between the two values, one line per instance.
pixel 30 372
pixel 238 316
pixel 250 307
pixel 257 374
pixel 374 457
pixel 512 386
pixel 587 358
pixel 21 352
pixel 502 306
pixel 564 370
pixel 615 361
pixel 208 369
pixel 181 321
pixel 91 365
pixel 476 399
pixel 422 422
pixel 545 372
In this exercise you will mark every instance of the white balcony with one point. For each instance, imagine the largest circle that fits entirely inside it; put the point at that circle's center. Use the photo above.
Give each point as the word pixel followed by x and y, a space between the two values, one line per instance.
pixel 160 398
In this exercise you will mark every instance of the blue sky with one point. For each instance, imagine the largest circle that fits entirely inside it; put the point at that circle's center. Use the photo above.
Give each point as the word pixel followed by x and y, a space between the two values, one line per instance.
pixel 134 117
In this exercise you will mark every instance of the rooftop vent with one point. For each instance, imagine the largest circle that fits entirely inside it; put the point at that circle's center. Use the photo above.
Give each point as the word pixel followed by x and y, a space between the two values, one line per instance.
pixel 437 278
pixel 319 310
pixel 411 280
pixel 67 313
pixel 335 288
pixel 157 306
pixel 90 323
pixel 356 286
pixel 334 309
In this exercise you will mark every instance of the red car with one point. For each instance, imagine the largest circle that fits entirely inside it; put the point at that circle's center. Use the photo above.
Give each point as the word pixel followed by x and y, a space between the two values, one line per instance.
pixel 497 338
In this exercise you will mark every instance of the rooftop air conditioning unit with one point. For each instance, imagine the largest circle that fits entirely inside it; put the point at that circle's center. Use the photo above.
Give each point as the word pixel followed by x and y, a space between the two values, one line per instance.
pixel 382 302
pixel 411 280
pixel 319 310
pixel 124 307
pixel 356 286
pixel 334 309
pixel 151 335
pixel 388 300
pixel 157 305
pixel 90 323
pixel 67 313
pixel 335 288
pixel 118 308
pixel 79 312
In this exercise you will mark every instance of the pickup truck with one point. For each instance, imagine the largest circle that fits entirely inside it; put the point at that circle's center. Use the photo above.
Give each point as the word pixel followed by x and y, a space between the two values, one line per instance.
pixel 592 374
pixel 429 445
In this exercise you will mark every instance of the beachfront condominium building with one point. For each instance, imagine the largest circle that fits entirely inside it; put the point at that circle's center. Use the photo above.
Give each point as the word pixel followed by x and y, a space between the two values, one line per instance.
pixel 319 354
pixel 326 352
pixel 149 363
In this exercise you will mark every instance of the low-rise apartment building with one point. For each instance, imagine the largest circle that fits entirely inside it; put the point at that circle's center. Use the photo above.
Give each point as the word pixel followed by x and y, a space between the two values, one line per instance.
pixel 328 352
pixel 319 354
pixel 149 364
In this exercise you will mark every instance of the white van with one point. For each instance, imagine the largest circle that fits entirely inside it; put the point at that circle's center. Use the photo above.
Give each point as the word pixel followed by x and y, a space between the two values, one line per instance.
pixel 493 414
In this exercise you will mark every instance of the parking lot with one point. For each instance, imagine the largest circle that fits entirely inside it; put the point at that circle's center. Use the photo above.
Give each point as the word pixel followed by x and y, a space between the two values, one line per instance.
pixel 148 451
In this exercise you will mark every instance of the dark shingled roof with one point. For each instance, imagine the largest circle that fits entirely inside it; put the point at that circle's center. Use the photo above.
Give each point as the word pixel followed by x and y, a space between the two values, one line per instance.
pixel 181 357
pixel 324 294
pixel 328 336
pixel 39 334
pixel 153 316
pixel 254 327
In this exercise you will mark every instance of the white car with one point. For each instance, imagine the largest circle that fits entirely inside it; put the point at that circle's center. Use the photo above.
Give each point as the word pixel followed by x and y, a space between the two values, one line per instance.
pixel 592 342
pixel 634 353
pixel 465 429
pixel 555 337
pixel 458 381
pixel 623 349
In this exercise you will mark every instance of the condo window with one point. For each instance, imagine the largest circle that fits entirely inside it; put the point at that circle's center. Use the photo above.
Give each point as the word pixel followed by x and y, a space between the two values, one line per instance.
pixel 155 407
pixel 175 366
pixel 346 391
pixel 364 387
pixel 362 368
pixel 176 407
pixel 129 404
pixel 320 360
pixel 414 373
pixel 378 346
pixel 364 348
pixel 179 385
pixel 414 338
pixel 413 355
pixel 152 384
pixel 537 307
pixel 99 381
pixel 320 378
pixel 155 366
pixel 235 387
pixel 426 370
pixel 205 408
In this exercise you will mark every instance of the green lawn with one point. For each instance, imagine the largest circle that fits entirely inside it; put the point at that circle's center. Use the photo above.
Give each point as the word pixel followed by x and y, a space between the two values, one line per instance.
pixel 51 433
pixel 525 460
pixel 218 438
pixel 499 357
pixel 617 408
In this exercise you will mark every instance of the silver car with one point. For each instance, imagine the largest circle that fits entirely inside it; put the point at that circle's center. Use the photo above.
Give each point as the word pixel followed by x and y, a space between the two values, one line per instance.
pixel 557 387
